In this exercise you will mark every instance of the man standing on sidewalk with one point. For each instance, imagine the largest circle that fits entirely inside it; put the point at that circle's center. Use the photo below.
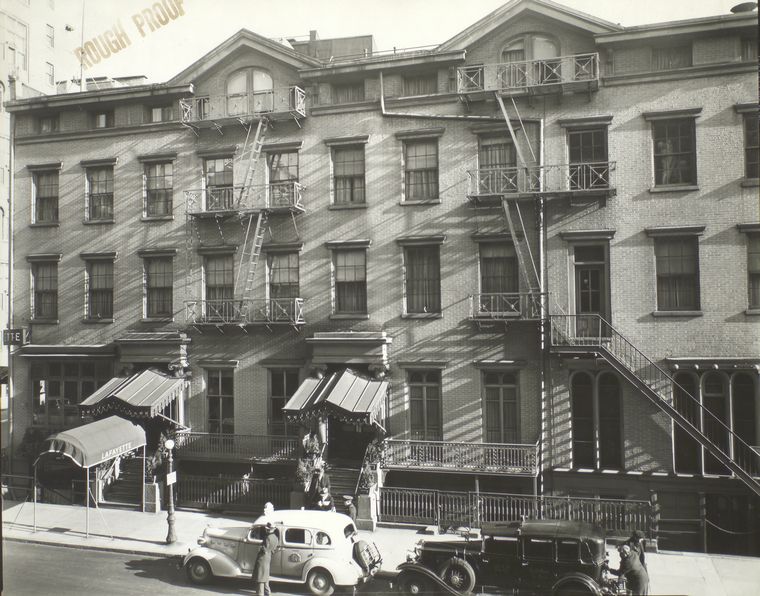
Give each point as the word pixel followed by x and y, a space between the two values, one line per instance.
pixel 264 560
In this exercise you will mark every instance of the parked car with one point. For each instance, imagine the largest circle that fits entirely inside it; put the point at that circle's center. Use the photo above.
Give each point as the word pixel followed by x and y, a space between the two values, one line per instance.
pixel 546 557
pixel 316 548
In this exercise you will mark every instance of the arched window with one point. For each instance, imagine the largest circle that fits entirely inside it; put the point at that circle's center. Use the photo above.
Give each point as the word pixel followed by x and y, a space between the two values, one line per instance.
pixel 249 91
pixel 501 407
pixel 582 405
pixel 687 452
pixel 744 414
pixel 530 60
pixel 715 418
pixel 610 431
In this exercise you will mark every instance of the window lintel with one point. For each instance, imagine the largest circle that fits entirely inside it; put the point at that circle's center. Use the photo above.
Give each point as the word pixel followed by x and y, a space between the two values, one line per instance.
pixel 749 228
pixel 220 363
pixel 497 365
pixel 45 257
pixel 422 364
pixel 583 235
pixel 673 114
pixel 605 120
pixel 98 256
pixel 157 157
pixel 217 152
pixel 420 133
pixel 272 247
pixel 53 165
pixel 353 140
pixel 746 108
pixel 284 146
pixel 228 249
pixel 485 237
pixel 421 240
pixel 664 231
pixel 148 253
pixel 95 163
pixel 348 244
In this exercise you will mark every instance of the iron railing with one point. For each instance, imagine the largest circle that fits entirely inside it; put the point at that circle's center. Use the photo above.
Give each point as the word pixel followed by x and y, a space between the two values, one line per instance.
pixel 575 177
pixel 276 195
pixel 239 494
pixel 505 305
pixel 282 100
pixel 444 508
pixel 503 458
pixel 592 331
pixel 249 311
pixel 236 447
pixel 528 74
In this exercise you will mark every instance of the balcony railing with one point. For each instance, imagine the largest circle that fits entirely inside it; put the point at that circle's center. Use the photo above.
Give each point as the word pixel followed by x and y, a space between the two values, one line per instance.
pixel 270 103
pixel 566 178
pixel 528 74
pixel 500 458
pixel 217 199
pixel 504 306
pixel 249 311
pixel 237 447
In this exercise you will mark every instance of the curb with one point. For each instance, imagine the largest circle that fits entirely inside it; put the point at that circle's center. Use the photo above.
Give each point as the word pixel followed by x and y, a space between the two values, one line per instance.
pixel 90 547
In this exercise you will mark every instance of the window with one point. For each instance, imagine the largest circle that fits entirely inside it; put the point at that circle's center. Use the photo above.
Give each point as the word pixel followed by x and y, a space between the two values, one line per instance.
pixel 47 124
pixel 283 383
pixel 421 170
pixel 538 548
pixel 425 405
pixel 249 91
pixel 743 414
pixel 348 172
pixel 529 60
pixel 498 279
pixel 568 551
pixel 158 189
pixel 715 401
pixel 219 181
pixel 675 157
pixel 749 49
pixel 283 174
pixel 17 39
pixel 671 57
pixel 422 279
pixel 677 265
pixel 751 146
pixel 284 284
pixel 497 161
pixel 426 84
pixel 221 401
pixel 159 278
pixel 99 289
pixel 350 281
pixel 50 73
pixel 100 193
pixel 501 408
pixel 753 270
pixel 45 290
pixel 686 451
pixel 46 197
pixel 349 92
pixel 50 35
pixel 219 286
pixel 297 536
pixel 596 414
pixel 60 384
pixel 102 119
pixel 160 113
pixel 589 168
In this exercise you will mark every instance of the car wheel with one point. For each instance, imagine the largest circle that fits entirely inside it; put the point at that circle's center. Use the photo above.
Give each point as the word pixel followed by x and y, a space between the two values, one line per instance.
pixel 320 583
pixel 458 574
pixel 198 571
pixel 574 590
pixel 413 584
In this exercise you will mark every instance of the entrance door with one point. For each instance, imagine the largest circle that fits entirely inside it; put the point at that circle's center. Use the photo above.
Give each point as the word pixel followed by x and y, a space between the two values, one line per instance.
pixel 591 290
pixel 347 442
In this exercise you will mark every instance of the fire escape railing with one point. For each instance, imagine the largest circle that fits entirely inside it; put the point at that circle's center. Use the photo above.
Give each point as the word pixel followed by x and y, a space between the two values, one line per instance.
pixel 281 100
pixel 574 177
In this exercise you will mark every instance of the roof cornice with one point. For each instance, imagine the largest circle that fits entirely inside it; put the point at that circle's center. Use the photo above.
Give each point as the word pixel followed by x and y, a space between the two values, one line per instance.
pixel 685 27
pixel 101 96
pixel 384 63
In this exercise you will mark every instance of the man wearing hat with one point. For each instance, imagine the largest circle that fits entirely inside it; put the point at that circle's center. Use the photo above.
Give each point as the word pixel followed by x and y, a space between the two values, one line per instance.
pixel 636 542
pixel 264 561
pixel 325 502
pixel 350 508
pixel 636 577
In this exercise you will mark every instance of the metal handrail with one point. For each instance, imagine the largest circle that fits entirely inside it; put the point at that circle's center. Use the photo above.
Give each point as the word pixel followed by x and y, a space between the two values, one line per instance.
pixel 506 305
pixel 567 177
pixel 288 100
pixel 245 311
pixel 280 447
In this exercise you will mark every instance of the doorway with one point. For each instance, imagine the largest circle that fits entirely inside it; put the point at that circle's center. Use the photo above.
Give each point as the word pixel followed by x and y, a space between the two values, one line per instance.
pixel 591 280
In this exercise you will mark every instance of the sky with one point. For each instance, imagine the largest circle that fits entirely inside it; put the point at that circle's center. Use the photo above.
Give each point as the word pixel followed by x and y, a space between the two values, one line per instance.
pixel 167 50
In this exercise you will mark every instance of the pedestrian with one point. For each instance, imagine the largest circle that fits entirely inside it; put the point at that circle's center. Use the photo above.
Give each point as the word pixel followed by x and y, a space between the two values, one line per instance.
pixel 311 446
pixel 264 561
pixel 325 502
pixel 636 542
pixel 349 507
pixel 636 577
pixel 268 509
pixel 322 479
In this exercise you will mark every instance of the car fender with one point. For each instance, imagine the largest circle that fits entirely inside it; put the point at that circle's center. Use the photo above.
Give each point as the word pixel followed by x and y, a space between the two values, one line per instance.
pixel 343 574
pixel 221 565
pixel 441 586
pixel 577 578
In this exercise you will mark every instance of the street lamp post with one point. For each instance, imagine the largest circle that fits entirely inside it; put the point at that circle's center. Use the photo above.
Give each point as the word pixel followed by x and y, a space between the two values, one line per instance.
pixel 171 536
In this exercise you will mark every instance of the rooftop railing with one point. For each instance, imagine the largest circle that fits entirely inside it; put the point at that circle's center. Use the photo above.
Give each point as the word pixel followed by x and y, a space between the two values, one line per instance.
pixel 272 102
pixel 575 177
pixel 263 311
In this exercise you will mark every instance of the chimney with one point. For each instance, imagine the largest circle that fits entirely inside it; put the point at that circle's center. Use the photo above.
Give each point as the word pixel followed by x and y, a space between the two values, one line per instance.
pixel 313 35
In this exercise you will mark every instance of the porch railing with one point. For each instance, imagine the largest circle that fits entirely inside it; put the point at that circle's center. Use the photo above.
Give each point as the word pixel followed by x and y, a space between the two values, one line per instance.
pixel 504 458
pixel 575 177
pixel 443 508
pixel 527 74
pixel 505 305
pixel 237 447
pixel 245 311
pixel 276 195
pixel 240 494
pixel 282 100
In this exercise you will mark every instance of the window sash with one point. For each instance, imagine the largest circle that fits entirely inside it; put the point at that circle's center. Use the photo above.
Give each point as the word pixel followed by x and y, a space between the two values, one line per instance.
pixel 674 152
pixel 221 401
pixel 677 265
pixel 671 57
pixel 348 93
pixel 100 290
pixel 159 282
pixel 423 279
pixel 158 185
pixel 425 407
pixel 498 269
pixel 587 146
pixel 501 410
pixel 46 197
pixel 283 383
pixel 421 169
pixel 751 146
pixel 753 270
pixel 100 193
pixel 351 281
pixel 496 152
pixel 45 282
pixel 348 172
pixel 284 276
pixel 421 85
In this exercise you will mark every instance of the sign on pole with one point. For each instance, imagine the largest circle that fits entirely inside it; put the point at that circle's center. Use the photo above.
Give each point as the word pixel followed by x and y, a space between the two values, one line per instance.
pixel 14 337
pixel 171 478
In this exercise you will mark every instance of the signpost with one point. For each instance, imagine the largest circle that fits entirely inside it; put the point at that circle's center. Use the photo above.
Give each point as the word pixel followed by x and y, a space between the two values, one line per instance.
pixel 15 337
pixel 171 478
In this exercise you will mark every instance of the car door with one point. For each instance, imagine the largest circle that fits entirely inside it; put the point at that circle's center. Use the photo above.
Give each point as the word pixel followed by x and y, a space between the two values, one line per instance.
pixel 537 564
pixel 296 550
pixel 249 548
pixel 500 562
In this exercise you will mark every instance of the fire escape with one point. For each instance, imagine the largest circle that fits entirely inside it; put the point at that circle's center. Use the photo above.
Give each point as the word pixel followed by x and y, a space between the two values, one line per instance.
pixel 247 203
pixel 578 335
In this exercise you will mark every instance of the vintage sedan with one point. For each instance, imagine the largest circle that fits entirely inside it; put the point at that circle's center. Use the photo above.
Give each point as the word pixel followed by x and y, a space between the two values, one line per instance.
pixel 316 548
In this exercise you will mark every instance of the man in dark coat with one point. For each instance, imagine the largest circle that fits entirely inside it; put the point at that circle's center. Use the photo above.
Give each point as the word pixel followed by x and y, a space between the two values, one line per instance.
pixel 636 542
pixel 636 577
pixel 264 561
pixel 349 507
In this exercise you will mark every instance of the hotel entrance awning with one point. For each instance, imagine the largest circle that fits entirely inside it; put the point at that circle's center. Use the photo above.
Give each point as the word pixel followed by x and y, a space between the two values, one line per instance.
pixel 144 395
pixel 346 396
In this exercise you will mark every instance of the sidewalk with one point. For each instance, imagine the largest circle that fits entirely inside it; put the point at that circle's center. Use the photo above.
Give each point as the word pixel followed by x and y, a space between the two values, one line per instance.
pixel 123 530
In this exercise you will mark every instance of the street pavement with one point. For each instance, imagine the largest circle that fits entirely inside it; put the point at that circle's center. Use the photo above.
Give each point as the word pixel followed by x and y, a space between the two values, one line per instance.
pixel 128 531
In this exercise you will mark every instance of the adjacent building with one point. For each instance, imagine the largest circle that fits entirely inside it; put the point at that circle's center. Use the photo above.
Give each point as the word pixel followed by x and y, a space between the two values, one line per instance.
pixel 529 258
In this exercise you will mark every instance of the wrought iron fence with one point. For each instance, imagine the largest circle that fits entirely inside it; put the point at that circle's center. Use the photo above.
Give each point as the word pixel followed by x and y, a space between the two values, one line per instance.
pixel 574 177
pixel 506 305
pixel 282 100
pixel 240 494
pixel 245 311
pixel 276 195
pixel 243 447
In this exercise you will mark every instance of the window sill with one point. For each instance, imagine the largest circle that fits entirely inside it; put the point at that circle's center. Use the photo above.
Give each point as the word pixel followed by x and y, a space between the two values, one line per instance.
pixel 422 315
pixel 97 321
pixel 157 320
pixel 675 188
pixel 752 312
pixel 421 202
pixel 750 182
pixel 677 313
pixel 45 224
pixel 157 218
pixel 348 317
pixel 337 207
pixel 44 321
pixel 94 222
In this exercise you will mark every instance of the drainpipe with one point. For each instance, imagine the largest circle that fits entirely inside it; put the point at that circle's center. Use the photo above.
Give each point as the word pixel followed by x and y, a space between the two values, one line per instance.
pixel 9 320
pixel 459 117
pixel 545 321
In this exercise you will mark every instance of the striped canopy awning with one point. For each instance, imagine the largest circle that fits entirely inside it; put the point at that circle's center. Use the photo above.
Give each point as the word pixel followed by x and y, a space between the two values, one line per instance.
pixel 346 395
pixel 144 395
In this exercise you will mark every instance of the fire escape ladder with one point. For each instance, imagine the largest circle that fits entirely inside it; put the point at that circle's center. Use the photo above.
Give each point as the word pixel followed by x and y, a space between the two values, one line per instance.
pixel 250 154
pixel 249 256
pixel 591 334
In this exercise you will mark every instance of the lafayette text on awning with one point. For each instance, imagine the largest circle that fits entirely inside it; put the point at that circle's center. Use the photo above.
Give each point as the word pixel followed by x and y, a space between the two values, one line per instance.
pixel 144 394
pixel 345 395
pixel 96 442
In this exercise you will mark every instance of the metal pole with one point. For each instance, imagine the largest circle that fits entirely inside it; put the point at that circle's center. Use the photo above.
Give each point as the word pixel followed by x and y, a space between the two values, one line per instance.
pixel 142 484
pixel 171 536
pixel 87 503
pixel 34 496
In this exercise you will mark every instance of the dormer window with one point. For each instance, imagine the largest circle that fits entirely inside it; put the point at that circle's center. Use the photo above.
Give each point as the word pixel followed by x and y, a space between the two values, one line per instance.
pixel 530 47
pixel 102 119
pixel 249 91
pixel 47 124
pixel 530 60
